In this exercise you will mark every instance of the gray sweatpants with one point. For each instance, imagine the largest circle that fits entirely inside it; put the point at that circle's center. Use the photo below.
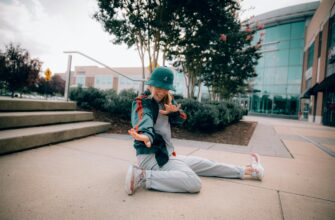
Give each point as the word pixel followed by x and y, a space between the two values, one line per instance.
pixel 180 173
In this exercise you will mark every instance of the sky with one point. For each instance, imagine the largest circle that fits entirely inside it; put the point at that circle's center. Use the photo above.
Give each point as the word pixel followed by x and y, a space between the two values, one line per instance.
pixel 47 28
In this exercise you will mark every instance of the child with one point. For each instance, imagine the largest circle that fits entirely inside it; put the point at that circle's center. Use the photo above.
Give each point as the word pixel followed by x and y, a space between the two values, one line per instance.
pixel 159 167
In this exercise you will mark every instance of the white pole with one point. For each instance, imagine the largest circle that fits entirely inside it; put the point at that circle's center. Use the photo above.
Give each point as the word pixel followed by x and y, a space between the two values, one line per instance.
pixel 68 78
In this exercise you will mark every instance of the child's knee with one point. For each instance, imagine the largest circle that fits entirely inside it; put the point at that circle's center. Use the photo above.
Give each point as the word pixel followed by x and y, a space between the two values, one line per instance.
pixel 194 185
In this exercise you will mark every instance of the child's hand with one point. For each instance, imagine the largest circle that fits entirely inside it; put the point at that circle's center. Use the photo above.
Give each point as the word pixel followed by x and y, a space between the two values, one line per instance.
pixel 140 137
pixel 170 108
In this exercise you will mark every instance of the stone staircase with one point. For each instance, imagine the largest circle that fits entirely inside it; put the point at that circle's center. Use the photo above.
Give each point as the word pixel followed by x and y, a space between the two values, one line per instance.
pixel 26 124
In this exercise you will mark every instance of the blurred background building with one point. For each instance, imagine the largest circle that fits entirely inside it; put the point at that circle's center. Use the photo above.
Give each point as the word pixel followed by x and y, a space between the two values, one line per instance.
pixel 276 89
pixel 318 79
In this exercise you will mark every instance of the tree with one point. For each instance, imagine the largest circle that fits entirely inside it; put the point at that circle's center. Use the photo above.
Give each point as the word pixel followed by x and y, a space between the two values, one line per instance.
pixel 55 86
pixel 203 38
pixel 212 47
pixel 17 70
pixel 135 22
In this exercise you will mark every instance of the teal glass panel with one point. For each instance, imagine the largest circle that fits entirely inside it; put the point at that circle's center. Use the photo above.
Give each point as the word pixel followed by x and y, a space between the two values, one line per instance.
pixel 271 34
pixel 293 89
pixel 285 44
pixel 261 62
pixel 279 104
pixel 280 76
pixel 266 104
pixel 294 74
pixel 298 43
pixel 297 30
pixel 271 46
pixel 278 89
pixel 282 58
pixel 284 32
pixel 259 78
pixel 270 59
pixel 269 74
pixel 255 102
pixel 296 57
pixel 310 56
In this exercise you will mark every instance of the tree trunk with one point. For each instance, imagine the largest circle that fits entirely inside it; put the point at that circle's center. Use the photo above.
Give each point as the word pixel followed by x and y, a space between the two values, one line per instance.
pixel 199 91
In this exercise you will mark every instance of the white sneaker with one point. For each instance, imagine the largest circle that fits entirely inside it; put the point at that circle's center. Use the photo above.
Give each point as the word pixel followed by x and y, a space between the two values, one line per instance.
pixel 257 166
pixel 134 179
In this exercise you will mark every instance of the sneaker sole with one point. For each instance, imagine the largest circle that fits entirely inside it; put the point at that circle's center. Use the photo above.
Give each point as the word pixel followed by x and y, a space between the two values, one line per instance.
pixel 129 185
pixel 258 161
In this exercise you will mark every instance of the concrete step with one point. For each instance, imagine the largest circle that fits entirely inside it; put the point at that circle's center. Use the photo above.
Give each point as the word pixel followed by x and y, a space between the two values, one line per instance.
pixel 13 140
pixel 9 104
pixel 25 119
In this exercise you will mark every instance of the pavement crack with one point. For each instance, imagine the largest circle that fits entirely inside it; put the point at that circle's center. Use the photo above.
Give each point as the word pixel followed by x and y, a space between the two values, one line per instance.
pixel 211 146
pixel 193 151
pixel 280 205
pixel 288 150
pixel 319 145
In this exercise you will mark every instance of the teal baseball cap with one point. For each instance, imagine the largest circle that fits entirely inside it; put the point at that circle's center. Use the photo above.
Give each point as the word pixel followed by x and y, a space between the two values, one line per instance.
pixel 162 77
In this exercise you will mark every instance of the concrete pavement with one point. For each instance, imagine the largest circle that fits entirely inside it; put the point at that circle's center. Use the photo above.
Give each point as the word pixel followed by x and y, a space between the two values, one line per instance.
pixel 84 179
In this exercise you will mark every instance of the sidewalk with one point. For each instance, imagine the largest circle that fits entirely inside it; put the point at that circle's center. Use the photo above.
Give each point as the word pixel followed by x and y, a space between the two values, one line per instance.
pixel 84 179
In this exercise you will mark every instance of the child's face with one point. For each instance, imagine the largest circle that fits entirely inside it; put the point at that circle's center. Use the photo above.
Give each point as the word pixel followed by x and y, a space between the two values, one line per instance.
pixel 158 94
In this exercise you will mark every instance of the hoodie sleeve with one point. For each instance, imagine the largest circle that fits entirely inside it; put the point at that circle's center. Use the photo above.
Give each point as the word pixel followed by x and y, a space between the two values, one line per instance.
pixel 141 118
pixel 177 118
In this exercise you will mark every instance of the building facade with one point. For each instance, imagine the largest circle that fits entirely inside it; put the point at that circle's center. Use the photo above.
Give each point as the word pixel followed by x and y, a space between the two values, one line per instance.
pixel 276 89
pixel 318 80
pixel 103 78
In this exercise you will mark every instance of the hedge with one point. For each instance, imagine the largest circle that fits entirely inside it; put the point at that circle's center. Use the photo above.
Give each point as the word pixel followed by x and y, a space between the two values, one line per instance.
pixel 204 117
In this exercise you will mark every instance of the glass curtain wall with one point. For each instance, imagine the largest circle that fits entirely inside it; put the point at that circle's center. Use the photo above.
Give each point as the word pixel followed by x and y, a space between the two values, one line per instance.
pixel 276 89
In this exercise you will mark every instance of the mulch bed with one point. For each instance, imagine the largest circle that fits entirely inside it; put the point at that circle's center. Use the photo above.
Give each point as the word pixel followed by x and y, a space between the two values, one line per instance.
pixel 239 133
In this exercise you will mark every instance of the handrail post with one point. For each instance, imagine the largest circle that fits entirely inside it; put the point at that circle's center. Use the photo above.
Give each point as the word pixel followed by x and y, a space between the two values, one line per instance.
pixel 68 78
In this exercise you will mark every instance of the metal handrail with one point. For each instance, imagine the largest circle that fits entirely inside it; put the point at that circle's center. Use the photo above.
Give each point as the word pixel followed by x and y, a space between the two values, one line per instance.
pixel 102 64
pixel 68 78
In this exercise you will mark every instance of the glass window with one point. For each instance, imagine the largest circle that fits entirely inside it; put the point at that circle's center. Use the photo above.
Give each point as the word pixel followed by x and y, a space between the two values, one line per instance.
pixel 270 59
pixel 271 34
pixel 320 44
pixel 285 44
pixel 258 87
pixel 277 33
pixel 282 58
pixel 284 31
pixel 103 80
pixel 266 104
pixel 281 75
pixel 269 74
pixel 293 89
pixel 297 30
pixel 261 62
pixel 308 83
pixel 310 56
pixel 294 74
pixel 260 72
pixel 298 43
pixel 80 80
pixel 255 103
pixel 292 105
pixel 279 104
pixel 271 46
pixel 296 57
pixel 331 47
pixel 277 89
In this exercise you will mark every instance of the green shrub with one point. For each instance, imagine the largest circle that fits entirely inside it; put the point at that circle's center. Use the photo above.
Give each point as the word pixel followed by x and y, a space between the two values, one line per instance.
pixel 90 98
pixel 210 116
pixel 205 117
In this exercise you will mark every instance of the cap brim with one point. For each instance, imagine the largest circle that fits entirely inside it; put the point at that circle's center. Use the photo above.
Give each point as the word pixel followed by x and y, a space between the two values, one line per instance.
pixel 159 85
